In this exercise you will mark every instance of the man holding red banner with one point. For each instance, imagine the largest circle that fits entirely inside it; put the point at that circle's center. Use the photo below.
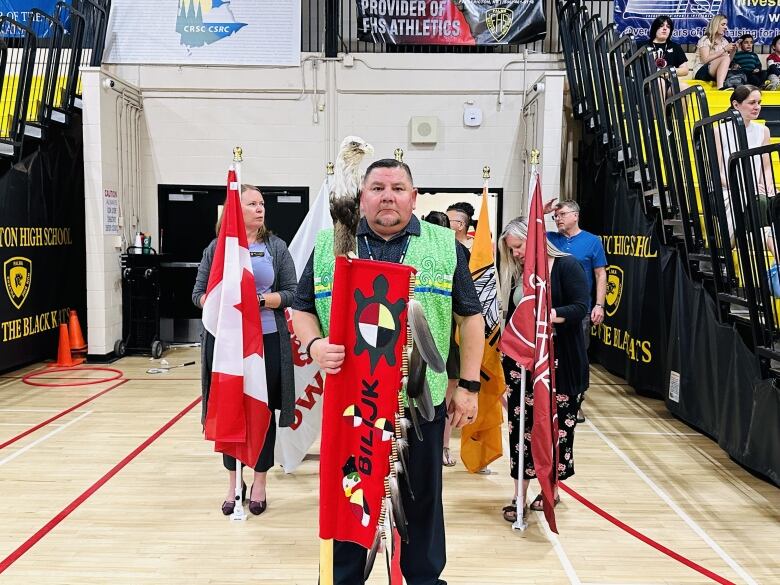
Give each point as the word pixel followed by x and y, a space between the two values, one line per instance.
pixel 543 290
pixel 389 231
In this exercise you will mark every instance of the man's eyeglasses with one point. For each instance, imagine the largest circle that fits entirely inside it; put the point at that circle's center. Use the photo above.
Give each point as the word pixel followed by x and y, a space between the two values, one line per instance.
pixel 457 221
pixel 558 214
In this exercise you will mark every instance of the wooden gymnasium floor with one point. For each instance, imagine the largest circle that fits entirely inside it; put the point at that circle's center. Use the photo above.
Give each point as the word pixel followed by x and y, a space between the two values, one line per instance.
pixel 81 500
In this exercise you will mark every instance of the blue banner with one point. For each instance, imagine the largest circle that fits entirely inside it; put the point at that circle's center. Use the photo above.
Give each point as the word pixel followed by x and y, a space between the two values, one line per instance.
pixel 21 12
pixel 761 18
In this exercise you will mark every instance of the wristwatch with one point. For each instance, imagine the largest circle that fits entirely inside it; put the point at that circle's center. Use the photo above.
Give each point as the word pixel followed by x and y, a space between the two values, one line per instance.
pixel 261 300
pixel 599 305
pixel 470 385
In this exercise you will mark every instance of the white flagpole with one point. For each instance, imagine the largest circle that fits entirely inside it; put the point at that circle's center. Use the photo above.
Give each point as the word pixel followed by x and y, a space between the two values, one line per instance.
pixel 238 510
pixel 520 523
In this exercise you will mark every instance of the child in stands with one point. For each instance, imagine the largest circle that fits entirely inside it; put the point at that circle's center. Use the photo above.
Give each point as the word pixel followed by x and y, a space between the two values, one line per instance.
pixel 773 65
pixel 747 62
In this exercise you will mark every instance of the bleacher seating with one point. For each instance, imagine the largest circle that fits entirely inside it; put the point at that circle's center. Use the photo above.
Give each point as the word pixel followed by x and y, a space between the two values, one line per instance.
pixel 40 80
pixel 667 143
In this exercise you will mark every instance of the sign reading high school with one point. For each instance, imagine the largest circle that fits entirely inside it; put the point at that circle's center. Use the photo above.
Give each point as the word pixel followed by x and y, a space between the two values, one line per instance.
pixel 27 319
pixel 631 341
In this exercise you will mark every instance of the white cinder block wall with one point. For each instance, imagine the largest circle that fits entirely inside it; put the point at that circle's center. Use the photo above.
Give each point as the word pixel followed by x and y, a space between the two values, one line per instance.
pixel 290 121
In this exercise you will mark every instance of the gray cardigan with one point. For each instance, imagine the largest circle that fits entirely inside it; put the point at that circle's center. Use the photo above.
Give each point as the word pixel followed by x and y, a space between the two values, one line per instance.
pixel 285 283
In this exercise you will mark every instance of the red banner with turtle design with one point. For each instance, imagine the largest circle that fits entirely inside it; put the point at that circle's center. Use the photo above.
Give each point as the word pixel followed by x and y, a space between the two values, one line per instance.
pixel 368 317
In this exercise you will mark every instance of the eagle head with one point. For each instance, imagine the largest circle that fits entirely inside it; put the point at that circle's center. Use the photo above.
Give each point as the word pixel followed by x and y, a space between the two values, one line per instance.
pixel 344 205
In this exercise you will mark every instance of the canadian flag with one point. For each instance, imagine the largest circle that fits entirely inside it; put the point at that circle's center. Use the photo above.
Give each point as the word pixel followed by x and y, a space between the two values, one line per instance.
pixel 237 416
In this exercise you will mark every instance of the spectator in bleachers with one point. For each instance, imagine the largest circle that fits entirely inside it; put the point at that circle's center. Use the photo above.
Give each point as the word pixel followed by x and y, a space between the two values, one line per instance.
pixel 745 99
pixel 746 61
pixel 667 53
pixel 715 52
pixel 773 65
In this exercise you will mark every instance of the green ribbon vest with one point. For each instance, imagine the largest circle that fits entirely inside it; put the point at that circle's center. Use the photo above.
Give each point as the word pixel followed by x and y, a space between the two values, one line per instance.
pixel 433 255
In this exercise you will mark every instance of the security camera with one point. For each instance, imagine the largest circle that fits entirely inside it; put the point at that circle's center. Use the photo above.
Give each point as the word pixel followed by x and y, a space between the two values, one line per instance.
pixel 539 87
pixel 109 83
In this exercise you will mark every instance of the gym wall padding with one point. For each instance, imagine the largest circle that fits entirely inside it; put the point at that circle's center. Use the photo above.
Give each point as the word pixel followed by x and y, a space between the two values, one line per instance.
pixel 42 245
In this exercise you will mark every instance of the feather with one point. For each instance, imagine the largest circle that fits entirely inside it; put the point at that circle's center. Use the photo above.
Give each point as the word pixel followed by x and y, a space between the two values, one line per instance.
pixel 376 547
pixel 423 339
pixel 416 380
pixel 412 409
pixel 424 403
pixel 399 517
pixel 345 192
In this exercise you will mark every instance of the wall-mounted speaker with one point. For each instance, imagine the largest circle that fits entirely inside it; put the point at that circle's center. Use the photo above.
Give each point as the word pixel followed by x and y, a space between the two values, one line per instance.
pixel 424 130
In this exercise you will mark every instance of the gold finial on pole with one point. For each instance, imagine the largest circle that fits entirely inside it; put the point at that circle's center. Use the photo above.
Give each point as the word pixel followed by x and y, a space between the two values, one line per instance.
pixel 535 154
pixel 398 153
pixel 238 154
pixel 486 172
pixel 329 168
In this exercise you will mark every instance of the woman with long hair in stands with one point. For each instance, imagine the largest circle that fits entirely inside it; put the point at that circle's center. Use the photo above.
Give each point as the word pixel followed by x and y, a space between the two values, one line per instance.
pixel 570 301
pixel 715 52
pixel 275 284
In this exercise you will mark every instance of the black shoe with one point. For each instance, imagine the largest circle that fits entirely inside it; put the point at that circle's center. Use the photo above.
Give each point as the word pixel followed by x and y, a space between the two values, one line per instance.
pixel 228 507
pixel 257 507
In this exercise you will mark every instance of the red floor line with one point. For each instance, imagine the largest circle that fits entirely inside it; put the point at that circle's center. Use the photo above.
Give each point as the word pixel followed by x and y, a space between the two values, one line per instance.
pixel 646 539
pixel 60 415
pixel 51 524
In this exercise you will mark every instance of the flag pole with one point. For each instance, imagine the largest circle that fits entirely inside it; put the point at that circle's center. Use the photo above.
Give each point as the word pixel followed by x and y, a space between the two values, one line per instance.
pixel 238 510
pixel 520 522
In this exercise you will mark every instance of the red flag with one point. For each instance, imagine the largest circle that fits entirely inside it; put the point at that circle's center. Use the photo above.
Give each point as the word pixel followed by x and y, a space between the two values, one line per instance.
pixel 368 317
pixel 527 339
pixel 237 415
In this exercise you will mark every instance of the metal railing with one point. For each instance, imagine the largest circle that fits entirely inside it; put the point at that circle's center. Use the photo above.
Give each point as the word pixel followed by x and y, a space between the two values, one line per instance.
pixel 17 77
pixel 49 34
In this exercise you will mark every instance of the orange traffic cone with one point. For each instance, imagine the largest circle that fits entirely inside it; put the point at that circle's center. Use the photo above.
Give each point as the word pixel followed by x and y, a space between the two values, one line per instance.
pixel 64 359
pixel 77 344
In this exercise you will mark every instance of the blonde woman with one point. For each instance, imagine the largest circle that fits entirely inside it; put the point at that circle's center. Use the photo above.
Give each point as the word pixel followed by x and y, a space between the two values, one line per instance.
pixel 715 52
pixel 569 291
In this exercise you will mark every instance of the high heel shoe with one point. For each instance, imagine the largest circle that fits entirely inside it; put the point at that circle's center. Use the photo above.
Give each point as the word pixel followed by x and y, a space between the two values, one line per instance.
pixel 257 507
pixel 229 505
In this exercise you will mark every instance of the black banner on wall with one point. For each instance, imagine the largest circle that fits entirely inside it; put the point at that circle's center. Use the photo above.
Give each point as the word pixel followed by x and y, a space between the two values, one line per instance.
pixel 450 22
pixel 42 251
pixel 632 341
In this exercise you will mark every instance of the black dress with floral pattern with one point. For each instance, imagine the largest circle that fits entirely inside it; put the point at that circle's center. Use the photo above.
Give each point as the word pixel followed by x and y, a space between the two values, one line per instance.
pixel 569 291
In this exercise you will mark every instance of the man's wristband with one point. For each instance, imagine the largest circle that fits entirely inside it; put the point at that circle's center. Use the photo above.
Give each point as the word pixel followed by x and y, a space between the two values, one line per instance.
pixel 599 305
pixel 308 347
pixel 470 385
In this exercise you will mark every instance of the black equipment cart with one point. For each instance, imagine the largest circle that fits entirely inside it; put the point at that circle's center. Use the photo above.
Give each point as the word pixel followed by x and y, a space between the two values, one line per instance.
pixel 140 304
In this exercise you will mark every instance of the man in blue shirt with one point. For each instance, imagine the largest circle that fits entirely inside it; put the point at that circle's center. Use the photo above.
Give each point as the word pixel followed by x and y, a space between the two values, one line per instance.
pixel 587 249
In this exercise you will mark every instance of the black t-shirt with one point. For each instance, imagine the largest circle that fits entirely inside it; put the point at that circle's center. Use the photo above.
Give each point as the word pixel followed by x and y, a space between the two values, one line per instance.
pixel 670 51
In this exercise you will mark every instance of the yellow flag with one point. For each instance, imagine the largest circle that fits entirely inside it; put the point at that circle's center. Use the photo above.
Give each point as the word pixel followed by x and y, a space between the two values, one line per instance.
pixel 480 442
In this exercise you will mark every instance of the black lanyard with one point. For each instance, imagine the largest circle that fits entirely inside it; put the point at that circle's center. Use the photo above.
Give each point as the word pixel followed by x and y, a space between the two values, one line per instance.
pixel 403 252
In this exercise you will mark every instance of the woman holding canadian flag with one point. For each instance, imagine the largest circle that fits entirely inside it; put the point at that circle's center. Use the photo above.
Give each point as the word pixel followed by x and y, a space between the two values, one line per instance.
pixel 241 391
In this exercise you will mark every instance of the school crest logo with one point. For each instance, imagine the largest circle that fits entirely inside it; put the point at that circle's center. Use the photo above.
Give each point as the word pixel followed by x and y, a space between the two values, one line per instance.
pixel 17 273
pixel 614 289
pixel 498 21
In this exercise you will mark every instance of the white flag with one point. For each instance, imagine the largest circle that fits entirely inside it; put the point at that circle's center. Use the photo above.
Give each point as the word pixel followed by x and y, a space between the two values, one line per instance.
pixel 293 442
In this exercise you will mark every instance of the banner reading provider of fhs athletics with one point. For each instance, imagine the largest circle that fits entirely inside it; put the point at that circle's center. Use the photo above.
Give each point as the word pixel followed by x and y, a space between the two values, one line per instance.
pixel 204 32
pixel 760 18
pixel 450 22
